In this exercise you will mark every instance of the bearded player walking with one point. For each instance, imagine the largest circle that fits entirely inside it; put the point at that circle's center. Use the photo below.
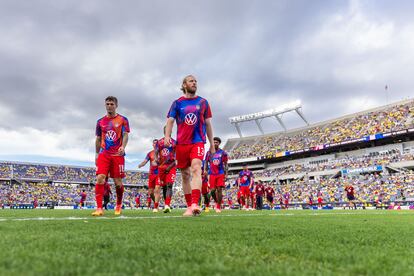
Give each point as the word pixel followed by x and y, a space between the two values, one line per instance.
pixel 193 116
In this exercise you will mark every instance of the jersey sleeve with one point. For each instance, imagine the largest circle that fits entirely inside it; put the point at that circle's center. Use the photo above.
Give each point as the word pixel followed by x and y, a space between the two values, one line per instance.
pixel 225 157
pixel 172 113
pixel 207 113
pixel 125 125
pixel 98 131
pixel 147 158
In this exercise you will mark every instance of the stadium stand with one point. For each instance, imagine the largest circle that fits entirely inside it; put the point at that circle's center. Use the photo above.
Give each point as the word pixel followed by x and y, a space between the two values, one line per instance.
pixel 391 118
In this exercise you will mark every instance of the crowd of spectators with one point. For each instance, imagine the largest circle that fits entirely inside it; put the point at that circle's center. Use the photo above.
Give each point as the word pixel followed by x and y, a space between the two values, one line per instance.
pixel 368 188
pixel 394 118
pixel 60 173
pixel 347 162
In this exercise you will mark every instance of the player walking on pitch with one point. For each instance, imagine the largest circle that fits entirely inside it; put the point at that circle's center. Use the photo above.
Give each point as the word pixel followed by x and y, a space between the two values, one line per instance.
pixel 165 158
pixel 111 140
pixel 193 116
pixel 216 164
pixel 153 180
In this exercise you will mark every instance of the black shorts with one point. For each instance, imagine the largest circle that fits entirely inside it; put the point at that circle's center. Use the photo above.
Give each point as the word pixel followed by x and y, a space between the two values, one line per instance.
pixel 350 197
pixel 269 199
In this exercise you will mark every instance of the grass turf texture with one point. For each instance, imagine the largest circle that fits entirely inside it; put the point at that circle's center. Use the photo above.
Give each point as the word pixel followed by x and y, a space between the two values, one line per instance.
pixel 305 242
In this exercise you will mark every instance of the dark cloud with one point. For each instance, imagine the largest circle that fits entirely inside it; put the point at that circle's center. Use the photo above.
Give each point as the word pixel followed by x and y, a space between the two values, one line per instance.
pixel 60 59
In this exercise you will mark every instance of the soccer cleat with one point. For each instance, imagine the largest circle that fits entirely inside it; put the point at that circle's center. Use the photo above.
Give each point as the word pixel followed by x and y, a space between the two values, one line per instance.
pixel 167 209
pixel 218 210
pixel 207 210
pixel 98 212
pixel 155 210
pixel 195 210
pixel 118 210
pixel 188 212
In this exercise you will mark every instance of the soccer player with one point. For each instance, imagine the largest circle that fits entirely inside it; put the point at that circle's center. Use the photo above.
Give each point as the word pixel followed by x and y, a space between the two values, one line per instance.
pixel 111 140
pixel 205 189
pixel 320 199
pixel 193 116
pixel 107 194
pixel 153 180
pixel 239 198
pixel 270 193
pixel 350 194
pixel 310 199
pixel 167 171
pixel 138 200
pixel 217 167
pixel 259 191
pixel 83 199
pixel 245 182
pixel 286 197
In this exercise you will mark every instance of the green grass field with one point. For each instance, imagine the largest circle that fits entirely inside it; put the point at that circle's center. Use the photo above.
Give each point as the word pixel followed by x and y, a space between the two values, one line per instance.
pixel 71 242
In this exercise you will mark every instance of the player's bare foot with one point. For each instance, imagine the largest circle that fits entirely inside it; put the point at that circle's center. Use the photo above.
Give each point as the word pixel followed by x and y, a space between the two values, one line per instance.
pixel 188 212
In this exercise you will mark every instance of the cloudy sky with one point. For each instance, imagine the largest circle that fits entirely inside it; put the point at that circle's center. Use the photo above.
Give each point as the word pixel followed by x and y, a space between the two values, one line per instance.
pixel 60 59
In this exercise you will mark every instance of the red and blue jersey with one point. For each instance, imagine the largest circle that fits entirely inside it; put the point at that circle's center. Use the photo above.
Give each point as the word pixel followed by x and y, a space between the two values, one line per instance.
pixel 111 131
pixel 191 115
pixel 166 155
pixel 216 162
pixel 269 191
pixel 245 178
pixel 151 158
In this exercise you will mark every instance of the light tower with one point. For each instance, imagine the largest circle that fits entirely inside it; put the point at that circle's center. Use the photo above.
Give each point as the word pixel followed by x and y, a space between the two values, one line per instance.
pixel 258 117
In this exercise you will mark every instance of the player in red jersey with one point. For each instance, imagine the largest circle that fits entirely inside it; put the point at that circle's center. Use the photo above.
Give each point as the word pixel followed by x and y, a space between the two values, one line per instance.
pixel 240 199
pixel 193 116
pixel 82 200
pixel 153 180
pixel 320 199
pixel 205 191
pixel 286 197
pixel 111 140
pixel 167 171
pixel 138 200
pixel 350 194
pixel 216 164
pixel 259 190
pixel 246 183
pixel 270 193
pixel 148 201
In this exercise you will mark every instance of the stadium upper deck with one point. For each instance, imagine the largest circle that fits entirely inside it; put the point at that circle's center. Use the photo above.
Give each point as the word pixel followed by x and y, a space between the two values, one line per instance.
pixel 373 124
pixel 59 173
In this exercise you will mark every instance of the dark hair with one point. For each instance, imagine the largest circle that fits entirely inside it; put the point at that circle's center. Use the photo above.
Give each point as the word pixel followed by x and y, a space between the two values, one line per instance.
pixel 217 139
pixel 155 140
pixel 111 99
pixel 244 165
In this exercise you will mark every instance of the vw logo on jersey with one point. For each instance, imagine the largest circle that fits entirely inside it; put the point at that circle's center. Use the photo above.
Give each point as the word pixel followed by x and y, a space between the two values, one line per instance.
pixel 165 152
pixel 111 135
pixel 216 162
pixel 190 119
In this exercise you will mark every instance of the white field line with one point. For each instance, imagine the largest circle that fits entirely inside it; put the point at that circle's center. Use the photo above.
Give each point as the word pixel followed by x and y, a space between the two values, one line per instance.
pixel 181 217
